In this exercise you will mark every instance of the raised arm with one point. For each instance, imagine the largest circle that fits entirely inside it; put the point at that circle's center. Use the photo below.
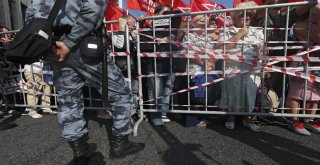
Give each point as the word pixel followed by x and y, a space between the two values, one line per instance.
pixel 235 38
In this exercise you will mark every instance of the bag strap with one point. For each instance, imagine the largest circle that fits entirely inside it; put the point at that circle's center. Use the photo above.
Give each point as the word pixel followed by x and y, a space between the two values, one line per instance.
pixel 55 10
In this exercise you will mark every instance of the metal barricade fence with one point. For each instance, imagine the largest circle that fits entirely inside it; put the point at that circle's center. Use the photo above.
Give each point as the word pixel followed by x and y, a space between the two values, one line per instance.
pixel 164 93
pixel 31 86
pixel 183 76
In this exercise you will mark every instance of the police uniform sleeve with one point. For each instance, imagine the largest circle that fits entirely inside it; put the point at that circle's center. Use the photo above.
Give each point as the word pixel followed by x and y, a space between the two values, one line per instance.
pixel 38 9
pixel 29 15
pixel 90 17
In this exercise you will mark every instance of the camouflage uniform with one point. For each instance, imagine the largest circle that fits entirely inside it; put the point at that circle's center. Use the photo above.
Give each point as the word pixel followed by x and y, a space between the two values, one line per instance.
pixel 69 81
pixel 69 76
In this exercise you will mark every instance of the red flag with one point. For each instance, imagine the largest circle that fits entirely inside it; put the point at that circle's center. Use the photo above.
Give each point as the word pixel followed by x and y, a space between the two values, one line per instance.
pixel 236 2
pixel 220 20
pixel 203 5
pixel 142 5
pixel 149 5
pixel 133 5
pixel 177 4
pixel 113 12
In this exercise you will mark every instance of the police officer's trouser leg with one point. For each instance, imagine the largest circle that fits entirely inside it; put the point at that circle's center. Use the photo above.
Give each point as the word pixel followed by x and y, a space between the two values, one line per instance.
pixel 70 115
pixel 69 83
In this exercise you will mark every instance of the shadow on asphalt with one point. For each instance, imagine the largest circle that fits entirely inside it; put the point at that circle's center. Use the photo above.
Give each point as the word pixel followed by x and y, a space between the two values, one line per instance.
pixel 278 148
pixel 178 152
pixel 96 159
pixel 8 123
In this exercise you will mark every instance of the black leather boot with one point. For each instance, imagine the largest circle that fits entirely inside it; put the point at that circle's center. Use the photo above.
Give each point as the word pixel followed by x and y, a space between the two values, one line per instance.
pixel 82 151
pixel 121 146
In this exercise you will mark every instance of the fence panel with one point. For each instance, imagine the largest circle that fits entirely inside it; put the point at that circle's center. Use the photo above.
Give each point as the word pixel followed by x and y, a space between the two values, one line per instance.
pixel 190 63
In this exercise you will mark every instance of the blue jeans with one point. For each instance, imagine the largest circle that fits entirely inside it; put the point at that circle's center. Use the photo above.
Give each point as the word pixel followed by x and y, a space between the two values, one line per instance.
pixel 164 87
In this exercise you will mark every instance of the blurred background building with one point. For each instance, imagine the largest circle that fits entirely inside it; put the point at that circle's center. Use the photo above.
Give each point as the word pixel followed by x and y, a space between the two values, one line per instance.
pixel 12 13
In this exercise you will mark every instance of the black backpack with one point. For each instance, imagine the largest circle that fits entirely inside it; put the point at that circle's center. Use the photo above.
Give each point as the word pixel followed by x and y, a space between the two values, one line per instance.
pixel 34 40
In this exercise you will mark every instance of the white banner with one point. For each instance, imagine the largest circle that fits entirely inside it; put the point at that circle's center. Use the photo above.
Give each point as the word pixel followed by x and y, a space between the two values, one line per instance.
pixel 162 22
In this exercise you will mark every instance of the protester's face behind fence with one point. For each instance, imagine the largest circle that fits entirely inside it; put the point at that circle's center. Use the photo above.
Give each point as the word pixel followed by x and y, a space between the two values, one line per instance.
pixel 131 23
pixel 213 24
pixel 200 21
pixel 242 20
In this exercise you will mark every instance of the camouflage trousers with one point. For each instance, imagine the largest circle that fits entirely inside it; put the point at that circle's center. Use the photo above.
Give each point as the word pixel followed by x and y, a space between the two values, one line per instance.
pixel 69 78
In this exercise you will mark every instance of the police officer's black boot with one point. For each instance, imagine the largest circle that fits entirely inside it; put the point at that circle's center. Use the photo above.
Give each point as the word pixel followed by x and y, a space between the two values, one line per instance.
pixel 121 146
pixel 82 150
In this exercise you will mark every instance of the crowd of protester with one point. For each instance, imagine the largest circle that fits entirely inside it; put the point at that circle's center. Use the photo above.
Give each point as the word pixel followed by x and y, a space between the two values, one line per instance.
pixel 203 35
pixel 241 93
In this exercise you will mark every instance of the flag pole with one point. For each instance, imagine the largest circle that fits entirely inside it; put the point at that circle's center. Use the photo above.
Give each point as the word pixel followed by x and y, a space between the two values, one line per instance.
pixel 120 5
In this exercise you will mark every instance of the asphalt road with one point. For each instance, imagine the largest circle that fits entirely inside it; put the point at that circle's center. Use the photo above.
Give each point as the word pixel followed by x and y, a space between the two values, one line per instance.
pixel 38 142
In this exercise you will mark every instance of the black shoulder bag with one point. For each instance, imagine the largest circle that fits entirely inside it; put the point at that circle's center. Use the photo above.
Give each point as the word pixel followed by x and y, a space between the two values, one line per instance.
pixel 34 40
